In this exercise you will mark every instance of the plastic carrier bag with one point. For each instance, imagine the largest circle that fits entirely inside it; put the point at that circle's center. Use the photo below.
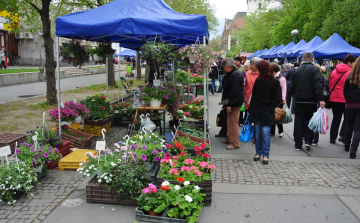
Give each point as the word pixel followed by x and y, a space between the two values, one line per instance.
pixel 319 121
pixel 247 131
pixel 288 117
pixel 217 84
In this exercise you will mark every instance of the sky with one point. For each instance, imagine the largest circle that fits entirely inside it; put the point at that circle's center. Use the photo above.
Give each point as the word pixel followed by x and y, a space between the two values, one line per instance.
pixel 227 9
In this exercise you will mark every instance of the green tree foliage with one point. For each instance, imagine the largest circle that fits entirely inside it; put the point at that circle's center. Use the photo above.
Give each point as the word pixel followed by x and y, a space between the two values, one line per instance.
pixel 215 43
pixel 202 7
pixel 344 20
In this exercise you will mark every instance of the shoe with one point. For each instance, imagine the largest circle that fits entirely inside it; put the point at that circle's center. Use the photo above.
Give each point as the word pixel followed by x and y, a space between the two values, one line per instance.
pixel 254 141
pixel 231 147
pixel 341 139
pixel 257 158
pixel 281 135
pixel 308 145
pixel 219 135
pixel 314 144
pixel 347 149
pixel 332 141
pixel 298 149
pixel 352 155
pixel 225 142
pixel 272 134
pixel 266 161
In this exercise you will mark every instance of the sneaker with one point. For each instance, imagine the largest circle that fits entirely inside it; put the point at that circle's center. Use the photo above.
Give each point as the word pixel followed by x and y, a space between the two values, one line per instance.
pixel 297 149
pixel 232 147
pixel 225 142
pixel 314 144
pixel 281 135
pixel 341 139
pixel 308 145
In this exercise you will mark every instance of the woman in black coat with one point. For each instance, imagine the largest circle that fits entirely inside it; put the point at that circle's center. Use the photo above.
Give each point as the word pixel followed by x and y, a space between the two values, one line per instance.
pixel 266 95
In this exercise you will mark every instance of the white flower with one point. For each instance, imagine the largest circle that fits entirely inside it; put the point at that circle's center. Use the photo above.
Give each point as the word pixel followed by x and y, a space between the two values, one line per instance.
pixel 99 180
pixel 141 137
pixel 80 164
pixel 165 183
pixel 88 175
pixel 186 183
pixel 177 187
pixel 197 188
pixel 188 198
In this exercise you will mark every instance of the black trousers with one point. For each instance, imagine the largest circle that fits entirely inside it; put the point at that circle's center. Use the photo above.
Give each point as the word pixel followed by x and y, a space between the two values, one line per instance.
pixel 303 114
pixel 223 130
pixel 288 99
pixel 3 64
pixel 280 127
pixel 338 110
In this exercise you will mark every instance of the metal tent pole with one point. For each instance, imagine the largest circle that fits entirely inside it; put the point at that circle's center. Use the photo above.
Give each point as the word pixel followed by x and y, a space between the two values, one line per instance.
pixel 119 73
pixel 107 76
pixel 205 97
pixel 58 81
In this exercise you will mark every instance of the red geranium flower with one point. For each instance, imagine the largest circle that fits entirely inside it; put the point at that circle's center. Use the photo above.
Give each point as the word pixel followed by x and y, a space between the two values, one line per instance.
pixel 168 146
pixel 180 179
pixel 206 155
pixel 182 154
pixel 203 145
pixel 164 188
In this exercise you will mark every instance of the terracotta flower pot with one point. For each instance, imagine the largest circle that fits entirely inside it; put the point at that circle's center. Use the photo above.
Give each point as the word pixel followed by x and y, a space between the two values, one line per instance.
pixel 153 213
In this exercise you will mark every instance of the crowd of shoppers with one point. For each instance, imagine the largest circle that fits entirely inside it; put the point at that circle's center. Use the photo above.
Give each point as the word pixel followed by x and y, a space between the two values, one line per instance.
pixel 263 86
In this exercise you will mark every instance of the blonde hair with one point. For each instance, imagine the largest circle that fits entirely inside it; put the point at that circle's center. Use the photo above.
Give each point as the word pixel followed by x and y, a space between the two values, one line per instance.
pixel 355 72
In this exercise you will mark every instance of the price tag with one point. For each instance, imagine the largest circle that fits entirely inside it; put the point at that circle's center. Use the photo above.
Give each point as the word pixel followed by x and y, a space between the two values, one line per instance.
pixel 116 111
pixel 62 105
pixel 34 137
pixel 156 83
pixel 74 100
pixel 100 145
pixel 4 151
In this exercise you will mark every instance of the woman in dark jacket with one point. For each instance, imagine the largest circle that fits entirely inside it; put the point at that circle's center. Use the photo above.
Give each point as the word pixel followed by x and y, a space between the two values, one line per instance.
pixel 352 109
pixel 266 95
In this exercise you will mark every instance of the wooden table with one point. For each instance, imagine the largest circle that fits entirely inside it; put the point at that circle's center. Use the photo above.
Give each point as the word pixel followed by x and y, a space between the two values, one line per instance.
pixel 162 107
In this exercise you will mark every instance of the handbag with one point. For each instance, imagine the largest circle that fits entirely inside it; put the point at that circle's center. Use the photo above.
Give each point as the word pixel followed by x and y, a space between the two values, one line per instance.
pixel 280 113
pixel 247 131
pixel 219 119
pixel 327 94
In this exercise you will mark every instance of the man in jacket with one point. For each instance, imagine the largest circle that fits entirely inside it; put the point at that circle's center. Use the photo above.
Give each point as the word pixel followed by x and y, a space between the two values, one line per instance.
pixel 307 87
pixel 214 75
pixel 238 63
pixel 221 74
pixel 233 96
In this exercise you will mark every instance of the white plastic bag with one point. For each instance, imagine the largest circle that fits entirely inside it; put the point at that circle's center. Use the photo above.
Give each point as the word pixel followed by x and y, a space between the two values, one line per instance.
pixel 319 122
pixel 217 84
pixel 288 117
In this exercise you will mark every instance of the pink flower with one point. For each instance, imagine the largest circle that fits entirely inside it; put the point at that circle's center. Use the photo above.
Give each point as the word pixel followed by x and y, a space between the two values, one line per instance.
pixel 173 171
pixel 213 167
pixel 193 168
pixel 146 190
pixel 187 113
pixel 151 186
pixel 165 160
pixel 175 157
pixel 185 168
pixel 189 161
pixel 203 164
pixel 117 145
pixel 173 164
pixel 198 173
pixel 117 150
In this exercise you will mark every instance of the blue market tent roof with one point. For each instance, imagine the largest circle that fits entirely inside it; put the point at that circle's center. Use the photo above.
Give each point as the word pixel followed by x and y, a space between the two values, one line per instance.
pixel 335 48
pixel 287 47
pixel 132 23
pixel 266 55
pixel 253 55
pixel 262 52
pixel 310 46
pixel 277 50
pixel 293 49
pixel 128 53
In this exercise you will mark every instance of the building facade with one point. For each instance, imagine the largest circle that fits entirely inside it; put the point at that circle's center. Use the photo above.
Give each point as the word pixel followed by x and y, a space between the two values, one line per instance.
pixel 231 25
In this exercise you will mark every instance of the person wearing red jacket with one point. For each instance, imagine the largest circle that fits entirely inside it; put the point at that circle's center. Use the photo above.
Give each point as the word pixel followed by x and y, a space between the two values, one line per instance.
pixel 337 99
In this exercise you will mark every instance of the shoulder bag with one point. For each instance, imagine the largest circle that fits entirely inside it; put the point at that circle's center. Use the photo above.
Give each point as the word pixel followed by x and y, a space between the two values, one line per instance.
pixel 327 94
pixel 280 113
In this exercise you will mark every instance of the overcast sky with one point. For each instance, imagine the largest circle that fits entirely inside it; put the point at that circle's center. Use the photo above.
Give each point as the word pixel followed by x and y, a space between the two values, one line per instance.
pixel 227 9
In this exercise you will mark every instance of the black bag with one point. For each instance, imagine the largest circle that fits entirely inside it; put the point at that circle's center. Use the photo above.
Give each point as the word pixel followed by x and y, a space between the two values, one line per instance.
pixel 327 93
pixel 219 119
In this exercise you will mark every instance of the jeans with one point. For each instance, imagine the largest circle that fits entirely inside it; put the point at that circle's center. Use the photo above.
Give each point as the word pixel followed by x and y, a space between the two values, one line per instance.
pixel 352 127
pixel 220 80
pixel 303 114
pixel 338 110
pixel 262 139
pixel 212 84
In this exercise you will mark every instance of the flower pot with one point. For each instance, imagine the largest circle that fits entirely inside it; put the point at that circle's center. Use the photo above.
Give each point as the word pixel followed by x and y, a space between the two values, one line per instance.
pixel 153 213
pixel 51 166
pixel 78 119
pixel 155 103
pixel 97 58
pixel 65 123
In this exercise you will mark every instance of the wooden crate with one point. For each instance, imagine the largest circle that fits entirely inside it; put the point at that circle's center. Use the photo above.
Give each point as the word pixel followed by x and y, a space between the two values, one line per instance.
pixel 9 139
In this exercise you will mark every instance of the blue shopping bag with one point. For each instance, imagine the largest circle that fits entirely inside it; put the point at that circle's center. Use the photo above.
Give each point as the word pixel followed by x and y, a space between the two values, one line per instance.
pixel 247 131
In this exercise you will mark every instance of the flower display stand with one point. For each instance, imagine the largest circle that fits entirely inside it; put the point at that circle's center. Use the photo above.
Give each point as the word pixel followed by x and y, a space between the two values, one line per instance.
pixel 73 160
pixel 205 187
pixel 95 127
pixel 141 216
pixel 99 193
pixel 122 120
pixel 9 139
pixel 76 142
pixel 200 140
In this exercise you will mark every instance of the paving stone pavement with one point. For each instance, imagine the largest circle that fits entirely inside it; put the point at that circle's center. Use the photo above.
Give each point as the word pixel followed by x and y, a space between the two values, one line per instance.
pixel 48 194
pixel 289 173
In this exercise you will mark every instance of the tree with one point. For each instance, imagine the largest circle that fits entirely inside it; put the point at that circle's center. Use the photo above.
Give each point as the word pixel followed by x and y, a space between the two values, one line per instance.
pixel 202 7
pixel 215 43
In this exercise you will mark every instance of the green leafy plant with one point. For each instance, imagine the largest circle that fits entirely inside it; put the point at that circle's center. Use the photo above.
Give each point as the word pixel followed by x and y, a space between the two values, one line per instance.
pixel 173 101
pixel 36 155
pixel 182 76
pixel 16 177
pixel 44 137
pixel 72 133
pixel 73 51
pixel 122 109
pixel 159 53
pixel 149 92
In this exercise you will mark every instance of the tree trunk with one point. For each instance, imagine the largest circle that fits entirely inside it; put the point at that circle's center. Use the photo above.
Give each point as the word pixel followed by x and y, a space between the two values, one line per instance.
pixel 138 68
pixel 51 98
pixel 111 77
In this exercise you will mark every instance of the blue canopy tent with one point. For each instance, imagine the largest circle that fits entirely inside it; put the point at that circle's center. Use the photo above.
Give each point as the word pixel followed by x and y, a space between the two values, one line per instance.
pixel 335 48
pixel 128 53
pixel 287 47
pixel 133 23
pixel 253 55
pixel 262 52
pixel 277 50
pixel 310 46
pixel 292 49
pixel 266 55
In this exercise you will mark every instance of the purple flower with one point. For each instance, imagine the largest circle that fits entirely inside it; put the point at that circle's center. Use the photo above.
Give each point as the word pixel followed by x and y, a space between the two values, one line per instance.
pixel 154 152
pixel 152 93
pixel 140 89
pixel 143 157
pixel 36 156
pixel 144 147
pixel 132 147
pixel 154 142
pixel 139 99
pixel 17 151
pixel 34 162
pixel 157 159
pixel 134 154
pixel 57 151
pixel 165 96
pixel 160 150
pixel 46 154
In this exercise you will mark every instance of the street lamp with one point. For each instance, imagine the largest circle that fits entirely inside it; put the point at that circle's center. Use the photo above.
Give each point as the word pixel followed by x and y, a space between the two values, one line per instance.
pixel 294 33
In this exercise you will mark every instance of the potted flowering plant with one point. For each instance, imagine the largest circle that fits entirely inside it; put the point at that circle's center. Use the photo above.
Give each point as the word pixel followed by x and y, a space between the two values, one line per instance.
pixel 182 76
pixel 123 113
pixel 150 200
pixel 159 53
pixel 193 109
pixel 173 100
pixel 44 137
pixel 15 178
pixel 74 52
pixel 153 94
pixel 202 57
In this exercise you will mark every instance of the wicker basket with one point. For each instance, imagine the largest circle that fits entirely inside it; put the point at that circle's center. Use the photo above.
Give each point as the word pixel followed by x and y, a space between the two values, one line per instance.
pixel 76 142
pixel 9 139
pixel 99 193
pixel 279 113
